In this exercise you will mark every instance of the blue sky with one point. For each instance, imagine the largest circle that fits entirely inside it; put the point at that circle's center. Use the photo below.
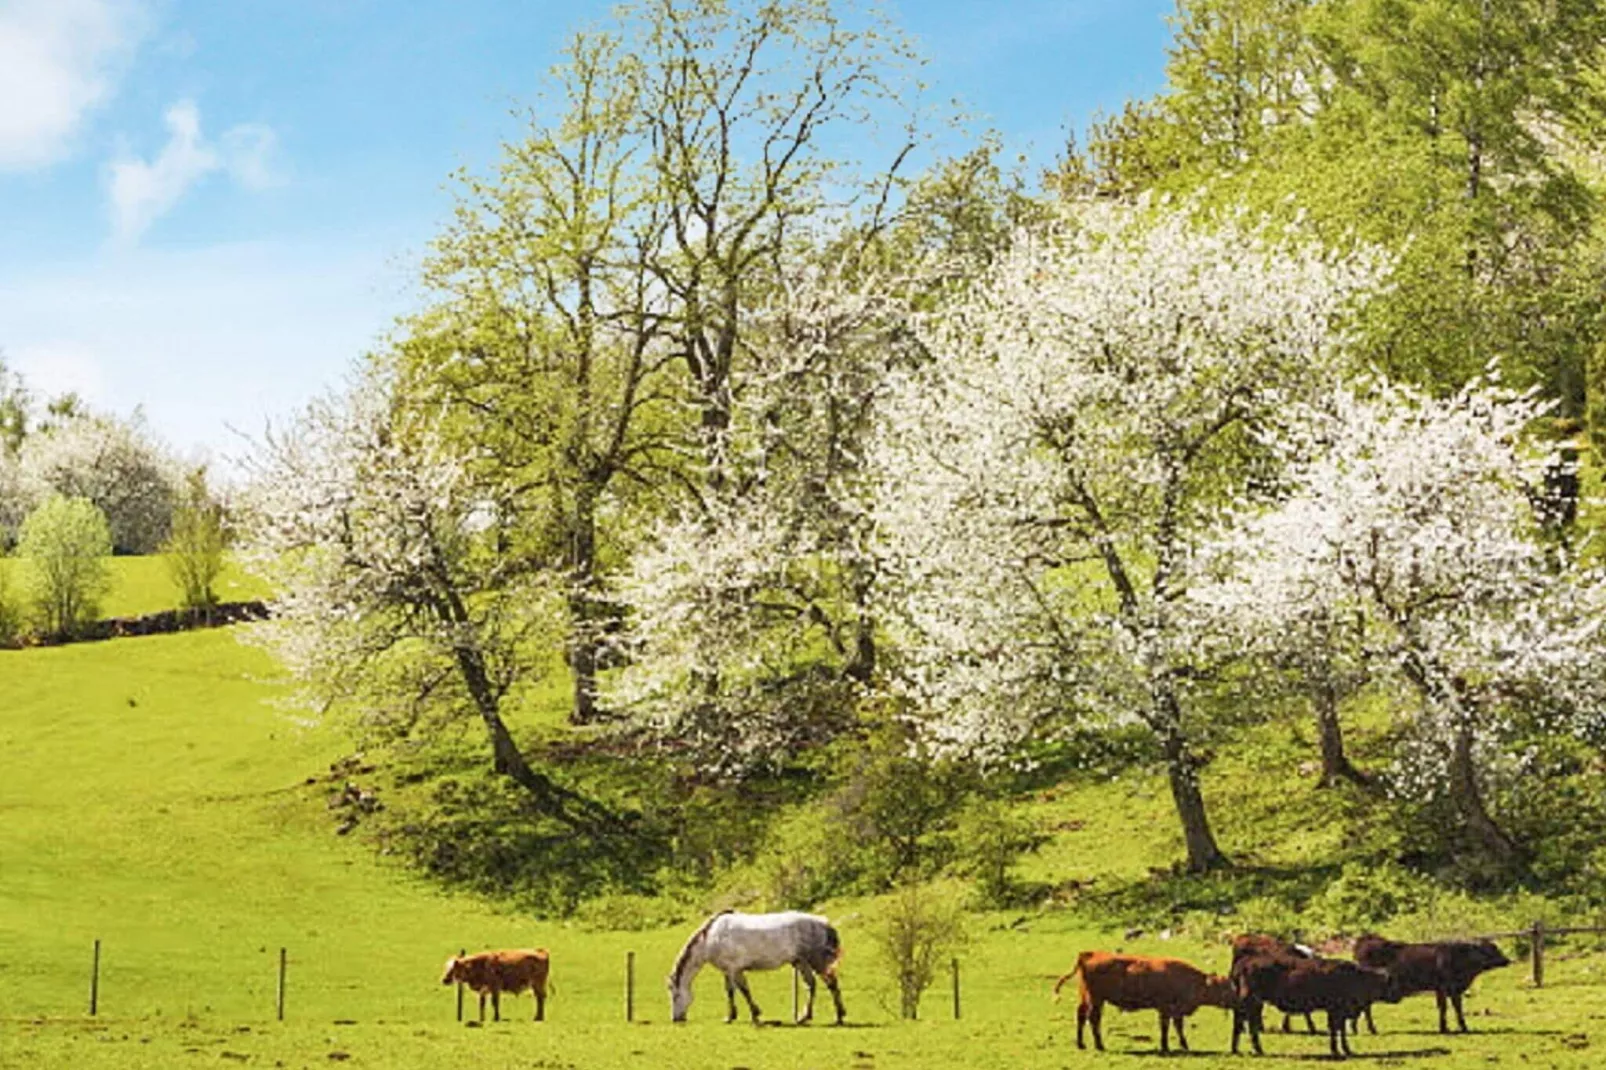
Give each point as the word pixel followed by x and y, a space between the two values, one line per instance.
pixel 208 208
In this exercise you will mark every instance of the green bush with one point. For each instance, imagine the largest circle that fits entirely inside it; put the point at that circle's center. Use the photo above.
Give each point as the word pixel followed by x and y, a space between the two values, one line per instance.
pixel 10 615
pixel 990 837
pixel 66 542
pixel 914 931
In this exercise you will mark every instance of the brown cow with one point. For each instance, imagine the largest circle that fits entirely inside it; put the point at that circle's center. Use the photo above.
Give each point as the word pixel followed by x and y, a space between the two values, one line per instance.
pixel 494 972
pixel 1446 969
pixel 1300 986
pixel 1260 944
pixel 1138 983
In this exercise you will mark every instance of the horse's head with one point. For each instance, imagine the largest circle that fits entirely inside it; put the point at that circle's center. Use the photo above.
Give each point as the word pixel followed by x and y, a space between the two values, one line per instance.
pixel 679 998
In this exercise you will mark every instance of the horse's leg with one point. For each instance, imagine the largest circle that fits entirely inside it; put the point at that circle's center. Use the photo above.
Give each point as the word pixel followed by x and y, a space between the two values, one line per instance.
pixel 836 994
pixel 808 979
pixel 741 983
pixel 730 999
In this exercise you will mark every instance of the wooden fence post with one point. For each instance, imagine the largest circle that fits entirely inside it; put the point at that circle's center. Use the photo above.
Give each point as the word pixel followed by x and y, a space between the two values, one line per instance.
pixel 1538 937
pixel 94 982
pixel 630 986
pixel 283 954
pixel 956 989
pixel 462 954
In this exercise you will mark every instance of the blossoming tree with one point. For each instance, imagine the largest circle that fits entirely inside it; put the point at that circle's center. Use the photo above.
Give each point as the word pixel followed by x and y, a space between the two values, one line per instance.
pixel 1085 413
pixel 1419 521
pixel 401 596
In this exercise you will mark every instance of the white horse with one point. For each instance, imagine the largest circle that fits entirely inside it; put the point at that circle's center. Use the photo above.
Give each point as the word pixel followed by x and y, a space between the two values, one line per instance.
pixel 734 943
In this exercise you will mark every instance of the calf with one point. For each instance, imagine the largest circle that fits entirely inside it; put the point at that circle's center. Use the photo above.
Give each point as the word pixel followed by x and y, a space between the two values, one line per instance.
pixel 1255 943
pixel 494 972
pixel 1302 986
pixel 1136 983
pixel 1446 969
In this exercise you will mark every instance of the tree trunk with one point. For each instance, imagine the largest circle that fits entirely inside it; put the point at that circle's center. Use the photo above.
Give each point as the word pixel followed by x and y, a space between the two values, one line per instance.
pixel 1468 800
pixel 584 640
pixel 508 760
pixel 1335 763
pixel 1182 770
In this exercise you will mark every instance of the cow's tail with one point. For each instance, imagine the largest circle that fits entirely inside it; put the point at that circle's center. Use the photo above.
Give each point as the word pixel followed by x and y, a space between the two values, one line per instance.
pixel 833 947
pixel 1080 960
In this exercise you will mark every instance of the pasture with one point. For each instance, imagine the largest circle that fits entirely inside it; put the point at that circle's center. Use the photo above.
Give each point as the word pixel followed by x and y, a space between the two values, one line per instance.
pixel 155 797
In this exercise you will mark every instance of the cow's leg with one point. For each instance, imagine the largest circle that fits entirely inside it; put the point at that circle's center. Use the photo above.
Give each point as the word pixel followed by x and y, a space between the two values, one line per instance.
pixel 540 1003
pixel 483 994
pixel 835 986
pixel 1095 1018
pixel 808 979
pixel 1182 1038
pixel 1081 1020
pixel 1370 1025
pixel 1257 1023
pixel 1337 1042
pixel 1237 1028
pixel 1438 994
pixel 1310 1026
pixel 1455 1001
pixel 741 984
pixel 496 1004
pixel 1165 1033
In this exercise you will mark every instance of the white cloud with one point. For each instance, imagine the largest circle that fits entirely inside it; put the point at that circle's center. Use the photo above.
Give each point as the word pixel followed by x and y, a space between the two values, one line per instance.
pixel 58 60
pixel 142 192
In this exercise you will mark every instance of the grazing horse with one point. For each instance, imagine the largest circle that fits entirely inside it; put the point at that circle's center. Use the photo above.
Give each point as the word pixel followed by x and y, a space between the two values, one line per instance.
pixel 734 943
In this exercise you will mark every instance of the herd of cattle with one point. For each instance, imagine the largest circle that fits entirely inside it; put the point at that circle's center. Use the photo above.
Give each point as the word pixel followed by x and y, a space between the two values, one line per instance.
pixel 1265 972
pixel 1292 978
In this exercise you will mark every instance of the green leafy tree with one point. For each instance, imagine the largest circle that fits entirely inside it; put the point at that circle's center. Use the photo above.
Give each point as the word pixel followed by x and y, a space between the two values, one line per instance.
pixel 66 542
pixel 195 545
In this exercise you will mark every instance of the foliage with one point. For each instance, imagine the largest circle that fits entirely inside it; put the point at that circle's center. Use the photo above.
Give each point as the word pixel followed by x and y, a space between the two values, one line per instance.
pixel 65 542
pixel 1087 407
pixel 991 836
pixel 116 464
pixel 10 612
pixel 1419 523
pixel 916 929
pixel 195 545
pixel 398 595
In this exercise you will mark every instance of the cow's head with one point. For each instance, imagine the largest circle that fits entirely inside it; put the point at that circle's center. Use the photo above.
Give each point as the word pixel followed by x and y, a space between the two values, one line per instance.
pixel 1488 957
pixel 454 967
pixel 1220 992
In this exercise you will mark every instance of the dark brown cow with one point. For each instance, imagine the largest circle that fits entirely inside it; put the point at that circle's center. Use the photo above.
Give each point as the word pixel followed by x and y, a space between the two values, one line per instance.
pixel 1303 986
pixel 1447 969
pixel 1260 944
pixel 1138 983
pixel 490 973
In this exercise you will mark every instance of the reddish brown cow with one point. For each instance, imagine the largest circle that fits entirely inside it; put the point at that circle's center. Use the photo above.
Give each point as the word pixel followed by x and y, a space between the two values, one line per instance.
pixel 1138 983
pixel 1446 969
pixel 490 973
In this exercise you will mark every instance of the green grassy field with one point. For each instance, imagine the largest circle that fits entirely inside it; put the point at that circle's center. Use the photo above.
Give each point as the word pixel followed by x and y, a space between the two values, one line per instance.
pixel 143 585
pixel 155 797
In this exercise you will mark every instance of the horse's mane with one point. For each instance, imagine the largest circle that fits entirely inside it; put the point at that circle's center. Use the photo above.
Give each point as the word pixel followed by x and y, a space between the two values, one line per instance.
pixel 692 941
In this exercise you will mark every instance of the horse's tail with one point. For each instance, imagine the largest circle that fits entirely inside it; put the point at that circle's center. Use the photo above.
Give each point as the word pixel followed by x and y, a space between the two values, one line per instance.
pixel 1080 960
pixel 833 946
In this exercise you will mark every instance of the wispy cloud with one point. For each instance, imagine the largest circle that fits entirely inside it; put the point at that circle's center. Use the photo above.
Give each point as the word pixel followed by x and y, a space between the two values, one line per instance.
pixel 142 191
pixel 58 60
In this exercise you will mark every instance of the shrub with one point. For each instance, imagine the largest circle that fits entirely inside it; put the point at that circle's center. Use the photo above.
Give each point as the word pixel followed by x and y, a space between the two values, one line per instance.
pixel 194 546
pixel 991 837
pixel 66 541
pixel 917 927
pixel 10 617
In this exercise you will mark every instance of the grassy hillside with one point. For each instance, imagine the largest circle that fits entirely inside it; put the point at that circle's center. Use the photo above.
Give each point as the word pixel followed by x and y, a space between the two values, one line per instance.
pixel 155 797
